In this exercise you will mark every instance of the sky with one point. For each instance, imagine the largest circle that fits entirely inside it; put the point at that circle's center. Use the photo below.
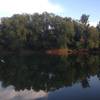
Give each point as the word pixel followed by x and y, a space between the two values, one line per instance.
pixel 68 8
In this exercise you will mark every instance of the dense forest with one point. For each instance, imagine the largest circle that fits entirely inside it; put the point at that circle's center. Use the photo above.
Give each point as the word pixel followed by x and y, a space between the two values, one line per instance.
pixel 47 31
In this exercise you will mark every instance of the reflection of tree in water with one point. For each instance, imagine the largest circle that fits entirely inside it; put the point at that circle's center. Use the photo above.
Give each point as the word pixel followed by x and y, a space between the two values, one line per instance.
pixel 98 73
pixel 85 83
pixel 48 72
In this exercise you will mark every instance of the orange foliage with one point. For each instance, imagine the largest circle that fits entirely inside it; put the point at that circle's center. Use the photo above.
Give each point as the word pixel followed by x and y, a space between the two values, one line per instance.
pixel 61 52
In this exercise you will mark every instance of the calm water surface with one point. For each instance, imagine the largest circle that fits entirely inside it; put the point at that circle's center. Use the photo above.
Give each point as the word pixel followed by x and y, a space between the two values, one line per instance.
pixel 45 77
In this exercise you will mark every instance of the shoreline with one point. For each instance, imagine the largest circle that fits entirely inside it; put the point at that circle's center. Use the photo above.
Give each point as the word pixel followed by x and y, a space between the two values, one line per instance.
pixel 60 52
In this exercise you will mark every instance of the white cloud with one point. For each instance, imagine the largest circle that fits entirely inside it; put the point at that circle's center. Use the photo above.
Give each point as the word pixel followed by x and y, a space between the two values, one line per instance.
pixel 9 7
pixel 93 23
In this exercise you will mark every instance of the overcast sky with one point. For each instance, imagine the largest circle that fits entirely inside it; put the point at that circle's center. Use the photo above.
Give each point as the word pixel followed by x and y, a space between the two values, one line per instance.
pixel 70 8
pixel 9 7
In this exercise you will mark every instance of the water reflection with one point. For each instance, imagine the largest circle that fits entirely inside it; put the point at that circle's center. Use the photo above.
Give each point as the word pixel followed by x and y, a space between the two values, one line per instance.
pixel 76 92
pixel 48 73
pixel 9 93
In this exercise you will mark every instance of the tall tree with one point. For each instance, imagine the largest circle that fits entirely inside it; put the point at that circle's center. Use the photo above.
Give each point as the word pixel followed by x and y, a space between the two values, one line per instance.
pixel 84 19
pixel 98 28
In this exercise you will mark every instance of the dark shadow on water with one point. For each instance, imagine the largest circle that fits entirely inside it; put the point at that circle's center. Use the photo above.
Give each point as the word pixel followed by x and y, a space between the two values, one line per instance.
pixel 49 73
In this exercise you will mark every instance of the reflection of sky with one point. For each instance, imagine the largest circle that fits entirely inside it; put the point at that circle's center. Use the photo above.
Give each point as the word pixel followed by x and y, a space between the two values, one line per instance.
pixel 76 92
pixel 10 94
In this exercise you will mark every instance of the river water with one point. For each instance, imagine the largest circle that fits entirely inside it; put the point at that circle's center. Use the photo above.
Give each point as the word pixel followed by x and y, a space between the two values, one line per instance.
pixel 48 77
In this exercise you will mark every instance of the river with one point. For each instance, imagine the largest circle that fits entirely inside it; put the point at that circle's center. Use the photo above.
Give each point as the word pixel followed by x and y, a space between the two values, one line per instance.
pixel 47 77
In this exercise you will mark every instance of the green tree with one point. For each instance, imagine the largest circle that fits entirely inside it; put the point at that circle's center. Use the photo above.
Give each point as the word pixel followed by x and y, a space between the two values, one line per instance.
pixel 93 38
pixel 98 28
pixel 84 19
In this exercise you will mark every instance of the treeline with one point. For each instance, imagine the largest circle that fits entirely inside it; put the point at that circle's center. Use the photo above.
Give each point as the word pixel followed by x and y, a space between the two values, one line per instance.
pixel 46 31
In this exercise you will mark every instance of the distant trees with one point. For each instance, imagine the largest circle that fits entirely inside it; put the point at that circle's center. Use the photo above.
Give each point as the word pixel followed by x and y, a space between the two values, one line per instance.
pixel 84 19
pixel 93 38
pixel 98 28
pixel 47 30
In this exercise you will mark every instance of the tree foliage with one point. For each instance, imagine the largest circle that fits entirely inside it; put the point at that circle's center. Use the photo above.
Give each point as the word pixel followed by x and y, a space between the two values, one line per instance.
pixel 47 30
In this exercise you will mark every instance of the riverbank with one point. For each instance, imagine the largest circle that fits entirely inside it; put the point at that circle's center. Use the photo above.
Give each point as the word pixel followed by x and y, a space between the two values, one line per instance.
pixel 72 52
pixel 59 52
